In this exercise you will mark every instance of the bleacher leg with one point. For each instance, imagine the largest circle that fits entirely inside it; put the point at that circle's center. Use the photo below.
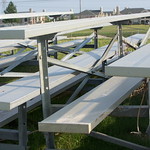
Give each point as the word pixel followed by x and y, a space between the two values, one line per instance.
pixel 22 122
pixel 96 38
pixel 120 41
pixel 55 53
pixel 44 80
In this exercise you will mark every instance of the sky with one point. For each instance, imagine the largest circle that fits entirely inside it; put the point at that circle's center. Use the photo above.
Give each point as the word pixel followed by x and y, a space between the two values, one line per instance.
pixel 66 5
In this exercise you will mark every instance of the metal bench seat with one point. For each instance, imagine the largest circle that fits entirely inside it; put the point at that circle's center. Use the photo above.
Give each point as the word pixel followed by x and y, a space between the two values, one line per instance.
pixel 85 113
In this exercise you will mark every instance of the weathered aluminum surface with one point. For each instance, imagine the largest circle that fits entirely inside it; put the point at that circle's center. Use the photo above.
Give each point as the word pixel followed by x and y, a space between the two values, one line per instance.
pixel 66 83
pixel 30 31
pixel 6 61
pixel 29 15
pixel 20 91
pixel 136 64
pixel 16 74
pixel 7 45
pixel 85 113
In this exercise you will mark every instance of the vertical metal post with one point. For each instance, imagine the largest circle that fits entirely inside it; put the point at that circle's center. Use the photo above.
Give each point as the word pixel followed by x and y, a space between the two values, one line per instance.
pixel 55 53
pixel 46 103
pixel 95 39
pixel 148 129
pixel 12 52
pixel 120 41
pixel 80 7
pixel 22 122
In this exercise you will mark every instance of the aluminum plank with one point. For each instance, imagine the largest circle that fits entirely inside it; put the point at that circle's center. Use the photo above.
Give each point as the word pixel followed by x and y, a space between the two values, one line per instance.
pixel 85 113
pixel 6 61
pixel 30 31
pixel 8 116
pixel 136 64
pixel 23 90
pixel 7 45
pixel 69 81
pixel 29 15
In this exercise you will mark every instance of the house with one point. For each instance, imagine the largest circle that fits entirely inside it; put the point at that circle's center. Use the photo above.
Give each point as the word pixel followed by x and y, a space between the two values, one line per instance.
pixel 116 11
pixel 32 20
pixel 97 13
pixel 133 11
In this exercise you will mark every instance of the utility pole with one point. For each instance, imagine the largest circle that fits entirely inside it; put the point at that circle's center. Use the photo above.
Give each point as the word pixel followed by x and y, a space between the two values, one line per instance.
pixel 80 7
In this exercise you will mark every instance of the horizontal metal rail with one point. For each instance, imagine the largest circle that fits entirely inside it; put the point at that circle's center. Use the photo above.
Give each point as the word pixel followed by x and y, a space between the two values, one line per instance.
pixel 117 141
pixel 74 67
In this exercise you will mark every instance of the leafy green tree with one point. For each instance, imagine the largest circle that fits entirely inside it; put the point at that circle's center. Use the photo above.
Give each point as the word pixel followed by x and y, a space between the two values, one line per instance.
pixel 11 8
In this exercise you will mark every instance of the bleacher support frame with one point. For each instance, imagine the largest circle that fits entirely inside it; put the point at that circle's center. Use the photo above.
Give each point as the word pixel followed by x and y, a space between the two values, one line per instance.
pixel 47 107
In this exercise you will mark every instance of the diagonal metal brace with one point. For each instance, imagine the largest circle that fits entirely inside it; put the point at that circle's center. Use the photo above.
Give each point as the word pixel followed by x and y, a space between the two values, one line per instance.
pixel 145 38
pixel 26 45
pixel 78 47
pixel 96 65
pixel 132 45
pixel 74 67
pixel 22 59
pixel 77 91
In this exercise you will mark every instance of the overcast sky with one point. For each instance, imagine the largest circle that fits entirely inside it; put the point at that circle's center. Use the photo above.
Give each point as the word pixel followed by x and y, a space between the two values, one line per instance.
pixel 66 5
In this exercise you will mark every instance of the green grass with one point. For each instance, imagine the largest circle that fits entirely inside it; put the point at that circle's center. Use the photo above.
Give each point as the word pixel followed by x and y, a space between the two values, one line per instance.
pixel 110 31
pixel 113 126
pixel 117 127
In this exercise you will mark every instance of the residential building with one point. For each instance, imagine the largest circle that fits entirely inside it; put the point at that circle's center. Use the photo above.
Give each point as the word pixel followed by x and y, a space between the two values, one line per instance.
pixel 133 11
pixel 97 13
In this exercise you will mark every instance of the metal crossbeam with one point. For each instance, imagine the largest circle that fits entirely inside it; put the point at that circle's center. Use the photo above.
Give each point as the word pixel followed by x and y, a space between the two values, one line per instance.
pixel 117 141
pixel 78 47
pixel 130 111
pixel 74 67
pixel 11 147
pixel 9 134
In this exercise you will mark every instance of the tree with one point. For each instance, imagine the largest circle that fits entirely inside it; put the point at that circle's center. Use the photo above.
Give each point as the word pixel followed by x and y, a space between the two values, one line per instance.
pixel 11 8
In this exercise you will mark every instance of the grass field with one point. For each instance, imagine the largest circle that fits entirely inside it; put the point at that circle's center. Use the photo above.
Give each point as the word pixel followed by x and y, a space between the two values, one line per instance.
pixel 118 127
pixel 110 31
